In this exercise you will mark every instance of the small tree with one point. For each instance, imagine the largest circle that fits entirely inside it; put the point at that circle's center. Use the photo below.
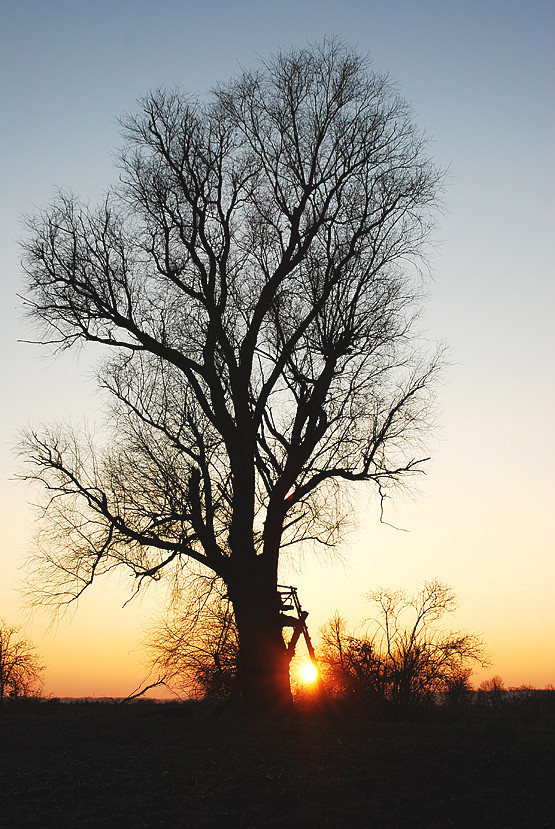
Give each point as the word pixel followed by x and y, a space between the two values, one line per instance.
pixel 492 691
pixel 458 690
pixel 20 668
pixel 403 659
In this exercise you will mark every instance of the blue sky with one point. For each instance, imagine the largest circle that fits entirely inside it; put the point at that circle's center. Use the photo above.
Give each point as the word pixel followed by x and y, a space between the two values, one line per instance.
pixel 479 76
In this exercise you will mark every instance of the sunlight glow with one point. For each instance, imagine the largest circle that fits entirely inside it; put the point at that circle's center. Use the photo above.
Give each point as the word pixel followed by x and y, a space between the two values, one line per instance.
pixel 308 673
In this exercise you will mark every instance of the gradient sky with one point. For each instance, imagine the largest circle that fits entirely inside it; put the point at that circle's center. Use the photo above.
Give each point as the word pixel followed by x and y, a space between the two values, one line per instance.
pixel 480 78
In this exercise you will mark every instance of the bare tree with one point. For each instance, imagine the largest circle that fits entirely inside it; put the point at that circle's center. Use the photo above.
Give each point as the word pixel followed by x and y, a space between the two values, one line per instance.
pixel 254 277
pixel 20 667
pixel 404 658
pixel 492 691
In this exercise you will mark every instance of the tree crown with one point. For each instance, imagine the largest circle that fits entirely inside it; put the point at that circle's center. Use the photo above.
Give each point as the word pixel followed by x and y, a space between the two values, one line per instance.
pixel 253 277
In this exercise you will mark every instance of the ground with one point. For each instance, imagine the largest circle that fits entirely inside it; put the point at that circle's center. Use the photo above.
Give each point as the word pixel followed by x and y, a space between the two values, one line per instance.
pixel 151 765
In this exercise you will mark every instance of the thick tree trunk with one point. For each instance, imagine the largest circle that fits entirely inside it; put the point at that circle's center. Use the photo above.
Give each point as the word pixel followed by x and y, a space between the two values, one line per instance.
pixel 263 660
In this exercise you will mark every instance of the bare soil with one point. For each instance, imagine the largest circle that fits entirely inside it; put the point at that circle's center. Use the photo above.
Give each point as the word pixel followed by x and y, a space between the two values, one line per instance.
pixel 149 765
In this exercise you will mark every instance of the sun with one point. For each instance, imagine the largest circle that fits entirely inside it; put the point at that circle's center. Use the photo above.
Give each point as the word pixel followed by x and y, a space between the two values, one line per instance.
pixel 308 673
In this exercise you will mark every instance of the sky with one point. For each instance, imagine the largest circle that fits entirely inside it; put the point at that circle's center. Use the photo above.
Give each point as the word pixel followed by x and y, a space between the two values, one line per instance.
pixel 479 76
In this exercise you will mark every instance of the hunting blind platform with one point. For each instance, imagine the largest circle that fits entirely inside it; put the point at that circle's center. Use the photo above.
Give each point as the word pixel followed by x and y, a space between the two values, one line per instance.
pixel 289 600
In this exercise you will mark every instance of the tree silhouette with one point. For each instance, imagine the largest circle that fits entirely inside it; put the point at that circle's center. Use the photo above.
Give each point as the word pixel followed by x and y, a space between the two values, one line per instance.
pixel 20 667
pixel 254 279
pixel 492 690
pixel 404 658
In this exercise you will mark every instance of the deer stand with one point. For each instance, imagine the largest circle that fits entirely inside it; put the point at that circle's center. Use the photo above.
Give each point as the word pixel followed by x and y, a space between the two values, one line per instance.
pixel 264 653
pixel 289 600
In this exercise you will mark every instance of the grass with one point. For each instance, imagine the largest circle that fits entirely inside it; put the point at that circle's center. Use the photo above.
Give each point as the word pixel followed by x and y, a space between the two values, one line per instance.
pixel 93 765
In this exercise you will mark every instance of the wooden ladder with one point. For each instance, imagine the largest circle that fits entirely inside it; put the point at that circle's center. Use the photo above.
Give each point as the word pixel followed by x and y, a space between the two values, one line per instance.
pixel 289 600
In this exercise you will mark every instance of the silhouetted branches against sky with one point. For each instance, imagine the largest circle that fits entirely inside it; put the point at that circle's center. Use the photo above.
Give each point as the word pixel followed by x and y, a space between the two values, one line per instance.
pixel 255 278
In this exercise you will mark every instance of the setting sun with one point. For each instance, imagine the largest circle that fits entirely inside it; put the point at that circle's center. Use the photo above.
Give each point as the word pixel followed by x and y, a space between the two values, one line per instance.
pixel 308 673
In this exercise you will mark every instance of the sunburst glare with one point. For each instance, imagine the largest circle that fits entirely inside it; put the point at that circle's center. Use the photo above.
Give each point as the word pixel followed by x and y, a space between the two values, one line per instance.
pixel 308 673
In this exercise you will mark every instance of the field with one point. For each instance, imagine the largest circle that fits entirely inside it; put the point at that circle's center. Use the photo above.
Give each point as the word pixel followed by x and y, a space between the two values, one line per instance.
pixel 148 765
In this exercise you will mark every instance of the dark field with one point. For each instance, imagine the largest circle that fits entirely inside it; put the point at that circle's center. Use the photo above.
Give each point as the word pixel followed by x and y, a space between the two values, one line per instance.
pixel 147 765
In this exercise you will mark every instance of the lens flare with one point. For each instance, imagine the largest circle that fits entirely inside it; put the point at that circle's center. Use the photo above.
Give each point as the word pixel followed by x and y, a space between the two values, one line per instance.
pixel 308 673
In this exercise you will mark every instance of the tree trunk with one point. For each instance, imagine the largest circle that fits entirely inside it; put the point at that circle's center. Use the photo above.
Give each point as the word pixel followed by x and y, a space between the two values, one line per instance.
pixel 263 660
